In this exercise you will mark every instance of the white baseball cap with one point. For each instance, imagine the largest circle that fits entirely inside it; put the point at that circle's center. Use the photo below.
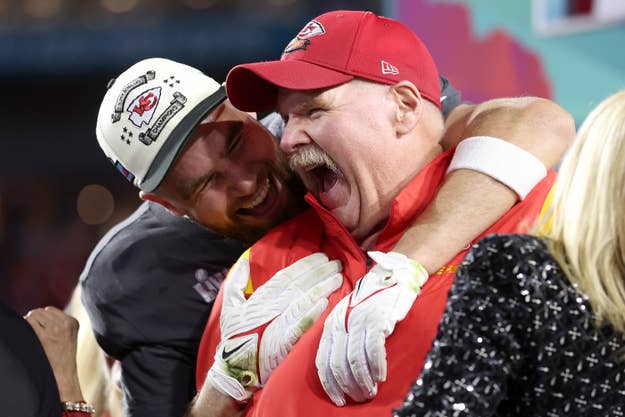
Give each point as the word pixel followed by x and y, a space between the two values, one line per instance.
pixel 148 114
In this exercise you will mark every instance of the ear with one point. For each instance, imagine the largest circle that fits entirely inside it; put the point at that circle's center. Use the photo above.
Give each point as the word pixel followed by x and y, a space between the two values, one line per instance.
pixel 163 202
pixel 409 106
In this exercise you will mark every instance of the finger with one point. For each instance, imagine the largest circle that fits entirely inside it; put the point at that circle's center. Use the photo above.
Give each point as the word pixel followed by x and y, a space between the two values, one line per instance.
pixel 55 316
pixel 269 353
pixel 33 312
pixel 325 288
pixel 341 370
pixel 308 278
pixel 389 260
pixel 275 296
pixel 282 334
pixel 235 283
pixel 322 361
pixel 286 275
pixel 35 324
pixel 330 386
pixel 40 330
pixel 338 358
pixel 36 317
pixel 291 306
pixel 305 322
pixel 320 291
pixel 54 311
pixel 376 354
pixel 357 358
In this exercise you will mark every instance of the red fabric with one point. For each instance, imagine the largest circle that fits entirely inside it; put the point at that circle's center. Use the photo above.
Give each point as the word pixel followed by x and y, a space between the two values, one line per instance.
pixel 76 414
pixel 580 7
pixel 294 388
pixel 332 49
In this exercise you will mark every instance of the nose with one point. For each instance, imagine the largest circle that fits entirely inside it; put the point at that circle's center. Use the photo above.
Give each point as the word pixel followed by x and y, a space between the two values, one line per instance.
pixel 243 179
pixel 294 135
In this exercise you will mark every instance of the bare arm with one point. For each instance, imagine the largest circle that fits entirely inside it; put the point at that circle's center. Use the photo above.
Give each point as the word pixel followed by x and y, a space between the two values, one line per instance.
pixel 460 211
pixel 534 124
pixel 211 403
pixel 58 333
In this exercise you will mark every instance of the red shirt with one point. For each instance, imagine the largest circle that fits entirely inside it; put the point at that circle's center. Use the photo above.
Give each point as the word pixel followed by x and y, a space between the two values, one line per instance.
pixel 294 388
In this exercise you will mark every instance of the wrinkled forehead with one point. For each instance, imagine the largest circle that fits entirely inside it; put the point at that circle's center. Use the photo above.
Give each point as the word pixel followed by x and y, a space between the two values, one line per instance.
pixel 296 101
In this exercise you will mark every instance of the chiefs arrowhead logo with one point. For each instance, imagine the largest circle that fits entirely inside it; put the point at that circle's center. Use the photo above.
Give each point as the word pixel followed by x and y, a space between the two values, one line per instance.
pixel 301 42
pixel 143 107
pixel 312 28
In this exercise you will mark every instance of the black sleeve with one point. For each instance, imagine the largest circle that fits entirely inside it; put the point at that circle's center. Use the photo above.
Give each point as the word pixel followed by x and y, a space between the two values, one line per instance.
pixel 450 97
pixel 479 347
pixel 157 380
pixel 148 289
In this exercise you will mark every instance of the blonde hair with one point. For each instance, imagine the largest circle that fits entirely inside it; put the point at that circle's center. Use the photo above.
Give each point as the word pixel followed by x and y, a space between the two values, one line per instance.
pixel 587 233
pixel 93 373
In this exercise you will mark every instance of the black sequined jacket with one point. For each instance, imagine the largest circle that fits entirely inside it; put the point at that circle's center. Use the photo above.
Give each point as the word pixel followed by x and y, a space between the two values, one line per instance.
pixel 517 339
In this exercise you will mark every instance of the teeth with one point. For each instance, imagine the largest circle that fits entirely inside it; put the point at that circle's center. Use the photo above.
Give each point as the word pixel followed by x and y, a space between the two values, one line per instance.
pixel 260 197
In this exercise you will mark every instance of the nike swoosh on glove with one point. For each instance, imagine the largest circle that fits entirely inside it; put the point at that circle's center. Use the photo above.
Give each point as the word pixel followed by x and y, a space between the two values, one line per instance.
pixel 258 333
pixel 351 358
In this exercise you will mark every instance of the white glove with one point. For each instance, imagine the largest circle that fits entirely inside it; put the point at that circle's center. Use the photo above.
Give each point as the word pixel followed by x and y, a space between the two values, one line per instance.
pixel 352 360
pixel 258 333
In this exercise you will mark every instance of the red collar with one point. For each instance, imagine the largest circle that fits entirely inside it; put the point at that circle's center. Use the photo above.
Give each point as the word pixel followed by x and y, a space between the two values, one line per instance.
pixel 410 202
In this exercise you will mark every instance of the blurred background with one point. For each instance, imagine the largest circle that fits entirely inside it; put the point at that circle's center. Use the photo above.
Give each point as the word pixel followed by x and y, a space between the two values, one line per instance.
pixel 59 194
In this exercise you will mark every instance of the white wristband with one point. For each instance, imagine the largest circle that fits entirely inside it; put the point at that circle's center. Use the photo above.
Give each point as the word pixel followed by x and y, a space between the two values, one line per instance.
pixel 514 167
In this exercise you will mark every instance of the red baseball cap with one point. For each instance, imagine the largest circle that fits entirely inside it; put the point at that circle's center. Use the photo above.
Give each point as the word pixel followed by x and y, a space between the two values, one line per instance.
pixel 332 49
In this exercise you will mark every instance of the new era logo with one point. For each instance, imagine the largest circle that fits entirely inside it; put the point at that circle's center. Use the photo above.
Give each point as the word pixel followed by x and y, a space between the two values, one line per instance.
pixel 389 68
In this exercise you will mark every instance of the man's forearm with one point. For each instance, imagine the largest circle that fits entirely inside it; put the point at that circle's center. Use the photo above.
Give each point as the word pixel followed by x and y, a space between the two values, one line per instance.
pixel 469 202
pixel 211 403
pixel 536 125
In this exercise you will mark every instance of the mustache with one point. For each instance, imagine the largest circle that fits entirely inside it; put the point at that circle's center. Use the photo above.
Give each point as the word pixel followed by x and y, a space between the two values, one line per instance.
pixel 310 156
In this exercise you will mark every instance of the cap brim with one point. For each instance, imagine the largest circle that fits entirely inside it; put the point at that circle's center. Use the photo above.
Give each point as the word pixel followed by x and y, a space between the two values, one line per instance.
pixel 169 152
pixel 254 87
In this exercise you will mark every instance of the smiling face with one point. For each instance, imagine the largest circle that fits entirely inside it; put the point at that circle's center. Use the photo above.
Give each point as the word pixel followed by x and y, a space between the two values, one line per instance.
pixel 231 177
pixel 356 146
pixel 341 143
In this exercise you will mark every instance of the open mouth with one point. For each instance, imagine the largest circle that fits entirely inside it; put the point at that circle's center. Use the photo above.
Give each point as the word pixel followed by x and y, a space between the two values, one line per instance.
pixel 319 173
pixel 324 177
pixel 261 194
pixel 262 202
pixel 323 182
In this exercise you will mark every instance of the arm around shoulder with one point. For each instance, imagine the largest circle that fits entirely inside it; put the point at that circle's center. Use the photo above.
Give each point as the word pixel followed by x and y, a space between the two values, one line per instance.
pixel 470 201
pixel 536 125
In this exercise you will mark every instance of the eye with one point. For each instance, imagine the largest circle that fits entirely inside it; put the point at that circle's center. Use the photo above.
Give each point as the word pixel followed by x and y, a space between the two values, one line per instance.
pixel 205 183
pixel 315 111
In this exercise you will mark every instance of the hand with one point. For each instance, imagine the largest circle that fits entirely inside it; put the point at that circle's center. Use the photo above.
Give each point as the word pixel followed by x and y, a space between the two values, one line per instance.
pixel 352 360
pixel 258 333
pixel 58 334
